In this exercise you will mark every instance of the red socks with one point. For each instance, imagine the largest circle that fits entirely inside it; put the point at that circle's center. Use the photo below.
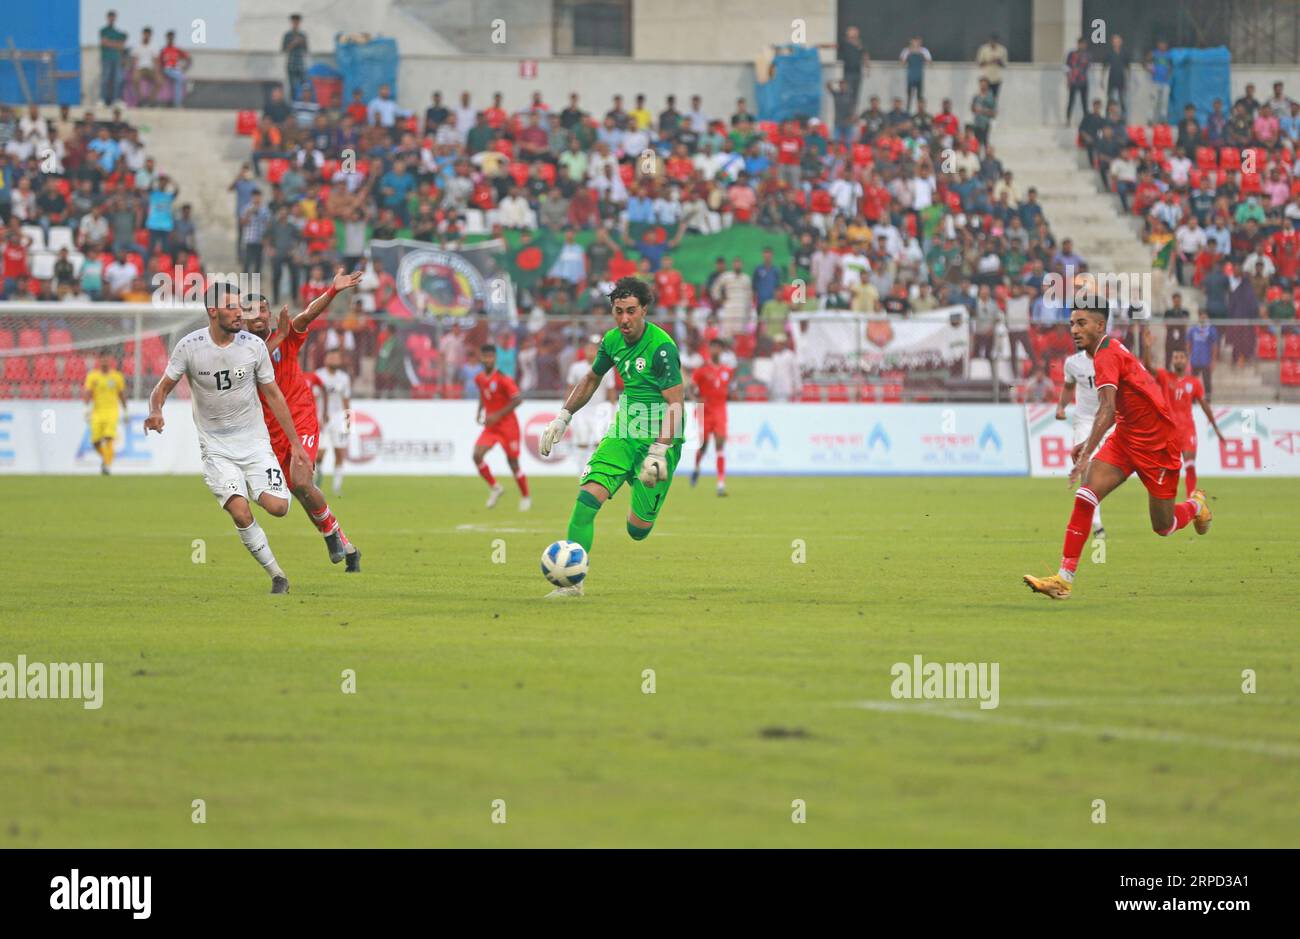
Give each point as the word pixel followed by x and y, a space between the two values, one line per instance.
pixel 522 480
pixel 487 474
pixel 1190 467
pixel 1184 512
pixel 327 524
pixel 722 469
pixel 1078 529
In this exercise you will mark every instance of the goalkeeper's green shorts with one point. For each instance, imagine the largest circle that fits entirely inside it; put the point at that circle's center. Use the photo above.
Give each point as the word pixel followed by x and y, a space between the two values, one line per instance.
pixel 618 460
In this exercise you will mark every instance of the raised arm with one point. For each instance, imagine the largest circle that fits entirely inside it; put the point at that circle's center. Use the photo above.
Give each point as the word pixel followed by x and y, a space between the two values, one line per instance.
pixel 342 282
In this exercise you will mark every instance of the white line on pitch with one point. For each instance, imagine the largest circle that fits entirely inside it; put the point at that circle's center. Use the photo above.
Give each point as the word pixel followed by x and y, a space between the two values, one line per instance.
pixel 1265 747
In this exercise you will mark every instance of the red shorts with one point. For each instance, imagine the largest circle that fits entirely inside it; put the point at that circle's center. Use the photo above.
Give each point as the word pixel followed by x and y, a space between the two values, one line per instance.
pixel 1186 438
pixel 505 433
pixel 714 420
pixel 310 437
pixel 1158 469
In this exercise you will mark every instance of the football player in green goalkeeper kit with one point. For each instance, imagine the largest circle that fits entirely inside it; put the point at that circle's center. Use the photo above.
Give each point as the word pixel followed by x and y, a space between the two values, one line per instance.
pixel 644 442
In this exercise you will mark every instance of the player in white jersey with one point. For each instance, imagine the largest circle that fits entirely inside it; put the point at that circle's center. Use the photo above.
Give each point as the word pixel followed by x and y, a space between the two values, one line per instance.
pixel 337 384
pixel 226 367
pixel 1081 387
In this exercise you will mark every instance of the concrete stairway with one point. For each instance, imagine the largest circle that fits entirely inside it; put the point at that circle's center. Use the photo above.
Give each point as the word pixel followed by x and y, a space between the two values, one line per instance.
pixel 1044 157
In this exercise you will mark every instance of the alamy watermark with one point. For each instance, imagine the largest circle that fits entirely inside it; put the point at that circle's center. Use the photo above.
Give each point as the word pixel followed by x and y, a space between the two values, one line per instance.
pixel 41 680
pixel 920 679
pixel 1130 290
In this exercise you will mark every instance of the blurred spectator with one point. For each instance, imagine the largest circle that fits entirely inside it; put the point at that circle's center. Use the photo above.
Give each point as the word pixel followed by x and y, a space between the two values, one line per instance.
pixel 294 45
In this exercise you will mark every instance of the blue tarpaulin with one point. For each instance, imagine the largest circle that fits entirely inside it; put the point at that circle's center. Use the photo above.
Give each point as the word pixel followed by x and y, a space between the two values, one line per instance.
pixel 1200 76
pixel 367 66
pixel 795 87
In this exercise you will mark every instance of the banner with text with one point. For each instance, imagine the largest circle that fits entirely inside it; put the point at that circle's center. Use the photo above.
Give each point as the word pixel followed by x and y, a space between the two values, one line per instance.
pixel 850 343
pixel 1259 440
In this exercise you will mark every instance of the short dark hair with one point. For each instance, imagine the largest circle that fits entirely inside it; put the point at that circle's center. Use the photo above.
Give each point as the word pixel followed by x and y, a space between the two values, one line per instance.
pixel 632 287
pixel 487 347
pixel 217 294
pixel 251 298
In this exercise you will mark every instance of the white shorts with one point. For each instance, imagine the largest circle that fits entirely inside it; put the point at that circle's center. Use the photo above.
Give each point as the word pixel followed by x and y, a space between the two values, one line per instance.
pixel 1082 428
pixel 336 433
pixel 257 473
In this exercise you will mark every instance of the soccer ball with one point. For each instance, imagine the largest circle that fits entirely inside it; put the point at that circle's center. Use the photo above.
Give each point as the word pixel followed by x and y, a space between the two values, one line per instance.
pixel 565 563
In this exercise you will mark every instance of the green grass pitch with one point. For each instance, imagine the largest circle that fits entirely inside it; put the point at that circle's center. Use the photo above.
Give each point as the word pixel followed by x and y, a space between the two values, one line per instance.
pixel 772 678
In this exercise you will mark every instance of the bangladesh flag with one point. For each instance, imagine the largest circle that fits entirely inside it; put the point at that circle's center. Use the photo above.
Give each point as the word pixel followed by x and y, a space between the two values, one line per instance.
pixel 529 255
pixel 1164 257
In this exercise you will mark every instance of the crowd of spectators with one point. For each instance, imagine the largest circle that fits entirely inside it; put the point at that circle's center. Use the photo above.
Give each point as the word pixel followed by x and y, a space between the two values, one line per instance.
pixel 1219 201
pixel 892 209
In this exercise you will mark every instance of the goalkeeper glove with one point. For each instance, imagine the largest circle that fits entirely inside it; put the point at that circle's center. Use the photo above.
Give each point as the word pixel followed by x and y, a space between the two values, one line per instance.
pixel 655 468
pixel 553 432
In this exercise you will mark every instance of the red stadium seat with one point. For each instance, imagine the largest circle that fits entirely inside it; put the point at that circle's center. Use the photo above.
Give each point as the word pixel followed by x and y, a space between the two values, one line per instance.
pixel 1163 136
pixel 1290 372
pixel 328 168
pixel 891 394
pixel 1194 178
pixel 1265 344
pixel 31 390
pixel 30 338
pixel 1250 184
pixel 1229 158
pixel 518 172
pixel 756 392
pixel 16 368
pixel 6 338
pixel 63 390
pixel 1258 158
pixel 811 393
pixel 504 147
pixel 1056 370
pixel 453 391
pixel 45 368
pixel 1137 135
pixel 246 123
pixel 837 394
pixel 59 336
pixel 74 367
pixel 547 172
pixel 1207 158
pixel 867 393
pixel 424 391
pixel 8 390
pixel 275 169
pixel 744 346
pixel 1291 346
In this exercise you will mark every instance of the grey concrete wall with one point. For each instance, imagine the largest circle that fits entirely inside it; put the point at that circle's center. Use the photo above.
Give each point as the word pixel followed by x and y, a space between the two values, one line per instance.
pixel 1031 94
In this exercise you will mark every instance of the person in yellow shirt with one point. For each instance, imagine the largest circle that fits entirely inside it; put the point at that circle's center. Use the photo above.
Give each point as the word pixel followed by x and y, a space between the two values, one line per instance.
pixel 641 114
pixel 105 392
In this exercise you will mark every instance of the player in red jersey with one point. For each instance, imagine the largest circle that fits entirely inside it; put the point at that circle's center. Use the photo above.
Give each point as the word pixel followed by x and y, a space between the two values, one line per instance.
pixel 1181 389
pixel 498 396
pixel 712 385
pixel 1145 442
pixel 284 346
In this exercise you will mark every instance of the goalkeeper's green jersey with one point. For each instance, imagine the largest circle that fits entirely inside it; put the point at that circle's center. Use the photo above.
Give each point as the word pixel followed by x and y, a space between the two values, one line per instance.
pixel 647 367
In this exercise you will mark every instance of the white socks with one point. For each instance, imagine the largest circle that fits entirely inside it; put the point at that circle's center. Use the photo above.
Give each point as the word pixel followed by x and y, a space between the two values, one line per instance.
pixel 255 541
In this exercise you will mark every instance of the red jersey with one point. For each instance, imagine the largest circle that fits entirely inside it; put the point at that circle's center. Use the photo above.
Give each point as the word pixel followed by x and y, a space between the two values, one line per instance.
pixel 495 391
pixel 713 382
pixel 947 122
pixel 789 149
pixel 293 385
pixel 1142 418
pixel 1180 392
pixel 668 285
pixel 15 261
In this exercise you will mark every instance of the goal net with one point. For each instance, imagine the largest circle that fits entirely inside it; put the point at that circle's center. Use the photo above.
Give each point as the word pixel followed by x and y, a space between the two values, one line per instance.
pixel 47 348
